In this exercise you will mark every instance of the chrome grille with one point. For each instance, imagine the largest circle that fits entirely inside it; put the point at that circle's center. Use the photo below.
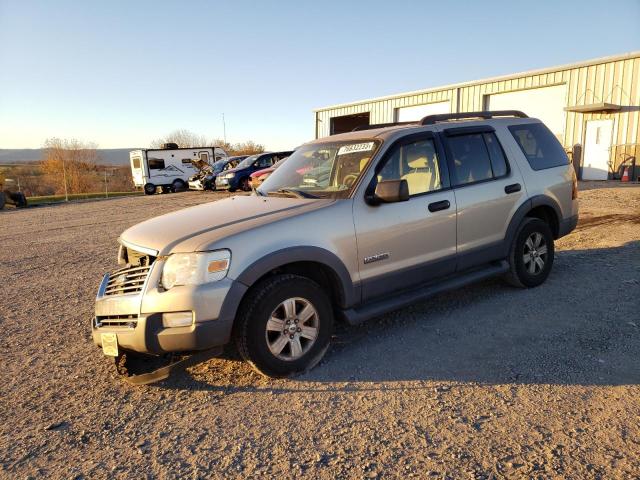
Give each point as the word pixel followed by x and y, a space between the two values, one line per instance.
pixel 127 280
pixel 116 321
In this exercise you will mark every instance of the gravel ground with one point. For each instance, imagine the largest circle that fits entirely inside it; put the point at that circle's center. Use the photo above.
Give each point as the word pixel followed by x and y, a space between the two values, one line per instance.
pixel 486 382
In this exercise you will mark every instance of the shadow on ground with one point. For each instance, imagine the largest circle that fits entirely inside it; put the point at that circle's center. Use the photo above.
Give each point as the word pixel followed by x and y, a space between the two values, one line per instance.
pixel 582 327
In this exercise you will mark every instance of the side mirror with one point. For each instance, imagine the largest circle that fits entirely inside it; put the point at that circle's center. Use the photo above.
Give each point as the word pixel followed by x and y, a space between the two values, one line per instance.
pixel 389 191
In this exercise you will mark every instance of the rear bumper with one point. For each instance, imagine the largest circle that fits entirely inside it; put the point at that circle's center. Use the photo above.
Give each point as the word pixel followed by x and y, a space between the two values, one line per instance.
pixel 567 226
pixel 138 317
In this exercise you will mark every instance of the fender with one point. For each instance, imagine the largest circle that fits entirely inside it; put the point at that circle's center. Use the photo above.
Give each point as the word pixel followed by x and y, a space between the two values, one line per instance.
pixel 521 212
pixel 349 293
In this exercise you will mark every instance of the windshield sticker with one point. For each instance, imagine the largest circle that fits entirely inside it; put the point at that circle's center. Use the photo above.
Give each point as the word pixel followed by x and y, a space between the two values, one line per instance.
pixel 356 147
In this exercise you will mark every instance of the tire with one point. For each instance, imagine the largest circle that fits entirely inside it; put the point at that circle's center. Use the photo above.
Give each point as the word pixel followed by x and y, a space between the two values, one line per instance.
pixel 3 200
pixel 149 189
pixel 178 186
pixel 244 185
pixel 532 236
pixel 258 324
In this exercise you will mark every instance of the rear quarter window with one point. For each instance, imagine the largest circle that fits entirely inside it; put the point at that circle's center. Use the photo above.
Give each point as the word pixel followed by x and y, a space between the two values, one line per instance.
pixel 539 146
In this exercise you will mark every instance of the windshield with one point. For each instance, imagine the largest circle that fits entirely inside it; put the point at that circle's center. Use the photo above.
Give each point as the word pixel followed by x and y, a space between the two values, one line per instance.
pixel 247 161
pixel 219 165
pixel 321 170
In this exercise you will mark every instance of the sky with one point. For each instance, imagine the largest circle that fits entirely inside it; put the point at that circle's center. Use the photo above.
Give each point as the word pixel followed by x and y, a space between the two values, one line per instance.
pixel 123 73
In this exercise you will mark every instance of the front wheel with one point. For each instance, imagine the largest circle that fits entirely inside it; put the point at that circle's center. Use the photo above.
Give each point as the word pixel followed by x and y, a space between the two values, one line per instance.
pixel 285 327
pixel 531 254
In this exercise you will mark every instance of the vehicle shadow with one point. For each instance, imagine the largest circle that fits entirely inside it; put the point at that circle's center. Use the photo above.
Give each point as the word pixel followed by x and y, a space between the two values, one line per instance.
pixel 581 327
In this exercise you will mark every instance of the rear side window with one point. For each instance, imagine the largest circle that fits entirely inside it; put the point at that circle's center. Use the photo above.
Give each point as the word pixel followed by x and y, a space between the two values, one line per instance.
pixel 476 157
pixel 539 145
pixel 136 162
pixel 156 164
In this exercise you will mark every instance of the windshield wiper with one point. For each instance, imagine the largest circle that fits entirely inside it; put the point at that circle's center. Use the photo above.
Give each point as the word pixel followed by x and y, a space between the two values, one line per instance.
pixel 296 193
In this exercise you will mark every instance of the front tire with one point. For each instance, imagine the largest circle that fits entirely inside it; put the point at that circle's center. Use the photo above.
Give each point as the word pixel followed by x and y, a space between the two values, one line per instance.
pixel 531 254
pixel 285 326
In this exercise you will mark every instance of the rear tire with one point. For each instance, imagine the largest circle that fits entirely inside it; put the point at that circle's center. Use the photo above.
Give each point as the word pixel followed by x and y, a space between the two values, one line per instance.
pixel 531 254
pixel 285 325
pixel 178 186
pixel 149 189
pixel 244 184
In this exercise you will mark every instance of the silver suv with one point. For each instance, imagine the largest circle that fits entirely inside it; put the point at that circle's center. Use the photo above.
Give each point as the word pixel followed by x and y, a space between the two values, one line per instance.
pixel 350 227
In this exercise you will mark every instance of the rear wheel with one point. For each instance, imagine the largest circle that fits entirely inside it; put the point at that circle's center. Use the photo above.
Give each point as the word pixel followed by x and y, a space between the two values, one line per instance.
pixel 244 184
pixel 531 254
pixel 149 189
pixel 178 185
pixel 285 327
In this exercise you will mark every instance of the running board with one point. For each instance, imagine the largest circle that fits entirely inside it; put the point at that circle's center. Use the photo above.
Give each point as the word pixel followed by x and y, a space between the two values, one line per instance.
pixel 380 307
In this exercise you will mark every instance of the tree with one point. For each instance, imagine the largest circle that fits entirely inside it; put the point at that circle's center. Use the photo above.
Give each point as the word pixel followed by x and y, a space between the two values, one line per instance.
pixel 184 138
pixel 70 164
pixel 187 139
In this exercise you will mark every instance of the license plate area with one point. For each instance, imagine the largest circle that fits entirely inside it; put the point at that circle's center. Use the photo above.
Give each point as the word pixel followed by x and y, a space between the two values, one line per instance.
pixel 110 344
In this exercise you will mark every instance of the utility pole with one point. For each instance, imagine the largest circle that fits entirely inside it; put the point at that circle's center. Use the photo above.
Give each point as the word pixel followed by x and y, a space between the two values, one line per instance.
pixel 64 177
pixel 224 129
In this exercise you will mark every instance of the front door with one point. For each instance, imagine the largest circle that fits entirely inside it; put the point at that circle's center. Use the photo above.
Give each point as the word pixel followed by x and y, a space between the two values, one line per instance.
pixel 597 146
pixel 407 243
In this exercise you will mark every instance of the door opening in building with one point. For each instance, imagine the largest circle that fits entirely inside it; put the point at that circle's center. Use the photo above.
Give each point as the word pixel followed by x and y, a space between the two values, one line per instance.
pixel 597 150
pixel 347 123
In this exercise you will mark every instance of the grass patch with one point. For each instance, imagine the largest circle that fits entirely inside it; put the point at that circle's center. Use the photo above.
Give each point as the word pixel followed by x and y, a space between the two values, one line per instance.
pixel 76 196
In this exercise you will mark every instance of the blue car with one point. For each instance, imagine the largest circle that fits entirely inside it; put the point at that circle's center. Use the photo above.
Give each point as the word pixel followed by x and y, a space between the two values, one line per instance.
pixel 238 178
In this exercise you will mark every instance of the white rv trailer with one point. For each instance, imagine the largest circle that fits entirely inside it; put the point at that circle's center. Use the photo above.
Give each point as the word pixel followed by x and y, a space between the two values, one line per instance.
pixel 169 167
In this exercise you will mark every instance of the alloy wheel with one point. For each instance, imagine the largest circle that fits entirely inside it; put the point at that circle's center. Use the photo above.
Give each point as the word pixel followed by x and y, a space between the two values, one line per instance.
pixel 292 328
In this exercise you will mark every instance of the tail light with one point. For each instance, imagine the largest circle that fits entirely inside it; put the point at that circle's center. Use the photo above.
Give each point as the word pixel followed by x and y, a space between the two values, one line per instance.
pixel 574 187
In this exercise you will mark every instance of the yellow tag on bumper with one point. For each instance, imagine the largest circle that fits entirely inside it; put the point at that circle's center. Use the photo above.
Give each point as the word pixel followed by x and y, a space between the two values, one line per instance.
pixel 110 344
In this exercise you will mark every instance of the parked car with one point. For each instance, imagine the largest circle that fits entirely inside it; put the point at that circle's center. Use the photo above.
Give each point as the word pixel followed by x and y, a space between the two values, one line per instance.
pixel 205 179
pixel 406 212
pixel 256 178
pixel 238 178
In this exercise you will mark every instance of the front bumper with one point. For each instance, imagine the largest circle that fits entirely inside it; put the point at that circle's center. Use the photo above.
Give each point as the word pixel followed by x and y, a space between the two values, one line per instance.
pixel 136 319
pixel 195 185
pixel 226 183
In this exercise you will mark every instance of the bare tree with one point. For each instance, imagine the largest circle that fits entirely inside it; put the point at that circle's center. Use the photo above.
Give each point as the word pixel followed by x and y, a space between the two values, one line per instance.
pixel 184 138
pixel 70 164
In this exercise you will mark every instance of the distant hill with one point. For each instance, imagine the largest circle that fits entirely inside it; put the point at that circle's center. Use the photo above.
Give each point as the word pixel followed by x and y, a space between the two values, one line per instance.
pixel 108 156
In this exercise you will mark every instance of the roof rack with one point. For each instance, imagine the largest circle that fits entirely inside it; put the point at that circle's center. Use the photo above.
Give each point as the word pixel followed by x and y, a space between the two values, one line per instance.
pixel 443 117
pixel 381 125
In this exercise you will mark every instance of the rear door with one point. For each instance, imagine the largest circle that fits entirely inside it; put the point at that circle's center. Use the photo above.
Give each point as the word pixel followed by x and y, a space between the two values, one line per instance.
pixel 487 189
pixel 404 244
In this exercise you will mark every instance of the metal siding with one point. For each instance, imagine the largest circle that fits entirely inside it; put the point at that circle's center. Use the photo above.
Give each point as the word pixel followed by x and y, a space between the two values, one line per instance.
pixel 614 81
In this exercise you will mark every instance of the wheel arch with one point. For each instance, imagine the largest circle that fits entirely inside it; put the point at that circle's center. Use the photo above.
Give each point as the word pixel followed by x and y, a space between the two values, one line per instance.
pixel 540 206
pixel 316 263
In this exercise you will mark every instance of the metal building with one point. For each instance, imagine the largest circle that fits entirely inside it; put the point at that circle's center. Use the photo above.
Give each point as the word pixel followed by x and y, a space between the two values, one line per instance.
pixel 593 107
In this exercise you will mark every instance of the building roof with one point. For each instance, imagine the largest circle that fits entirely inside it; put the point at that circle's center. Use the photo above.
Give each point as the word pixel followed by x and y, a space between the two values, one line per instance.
pixel 540 71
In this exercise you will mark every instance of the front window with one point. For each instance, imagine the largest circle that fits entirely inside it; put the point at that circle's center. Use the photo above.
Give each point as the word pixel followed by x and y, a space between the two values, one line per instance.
pixel 321 170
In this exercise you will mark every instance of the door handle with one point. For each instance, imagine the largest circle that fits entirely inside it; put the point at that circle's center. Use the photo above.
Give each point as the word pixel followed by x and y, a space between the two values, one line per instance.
pixel 513 188
pixel 436 206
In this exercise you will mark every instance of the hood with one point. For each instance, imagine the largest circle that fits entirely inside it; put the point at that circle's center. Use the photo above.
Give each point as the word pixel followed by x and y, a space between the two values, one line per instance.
pixel 193 228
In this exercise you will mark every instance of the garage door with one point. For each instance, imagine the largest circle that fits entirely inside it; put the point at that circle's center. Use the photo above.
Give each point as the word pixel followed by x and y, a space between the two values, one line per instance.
pixel 410 114
pixel 545 103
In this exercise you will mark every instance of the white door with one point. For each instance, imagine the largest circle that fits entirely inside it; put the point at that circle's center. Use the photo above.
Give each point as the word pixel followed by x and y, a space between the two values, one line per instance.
pixel 411 114
pixel 597 146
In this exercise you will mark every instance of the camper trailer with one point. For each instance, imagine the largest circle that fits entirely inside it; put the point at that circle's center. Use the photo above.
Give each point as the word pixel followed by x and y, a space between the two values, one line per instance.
pixel 170 167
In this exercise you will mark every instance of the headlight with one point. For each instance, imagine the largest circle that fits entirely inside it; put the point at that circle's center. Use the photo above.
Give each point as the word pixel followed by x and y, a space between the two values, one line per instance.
pixel 230 175
pixel 195 268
